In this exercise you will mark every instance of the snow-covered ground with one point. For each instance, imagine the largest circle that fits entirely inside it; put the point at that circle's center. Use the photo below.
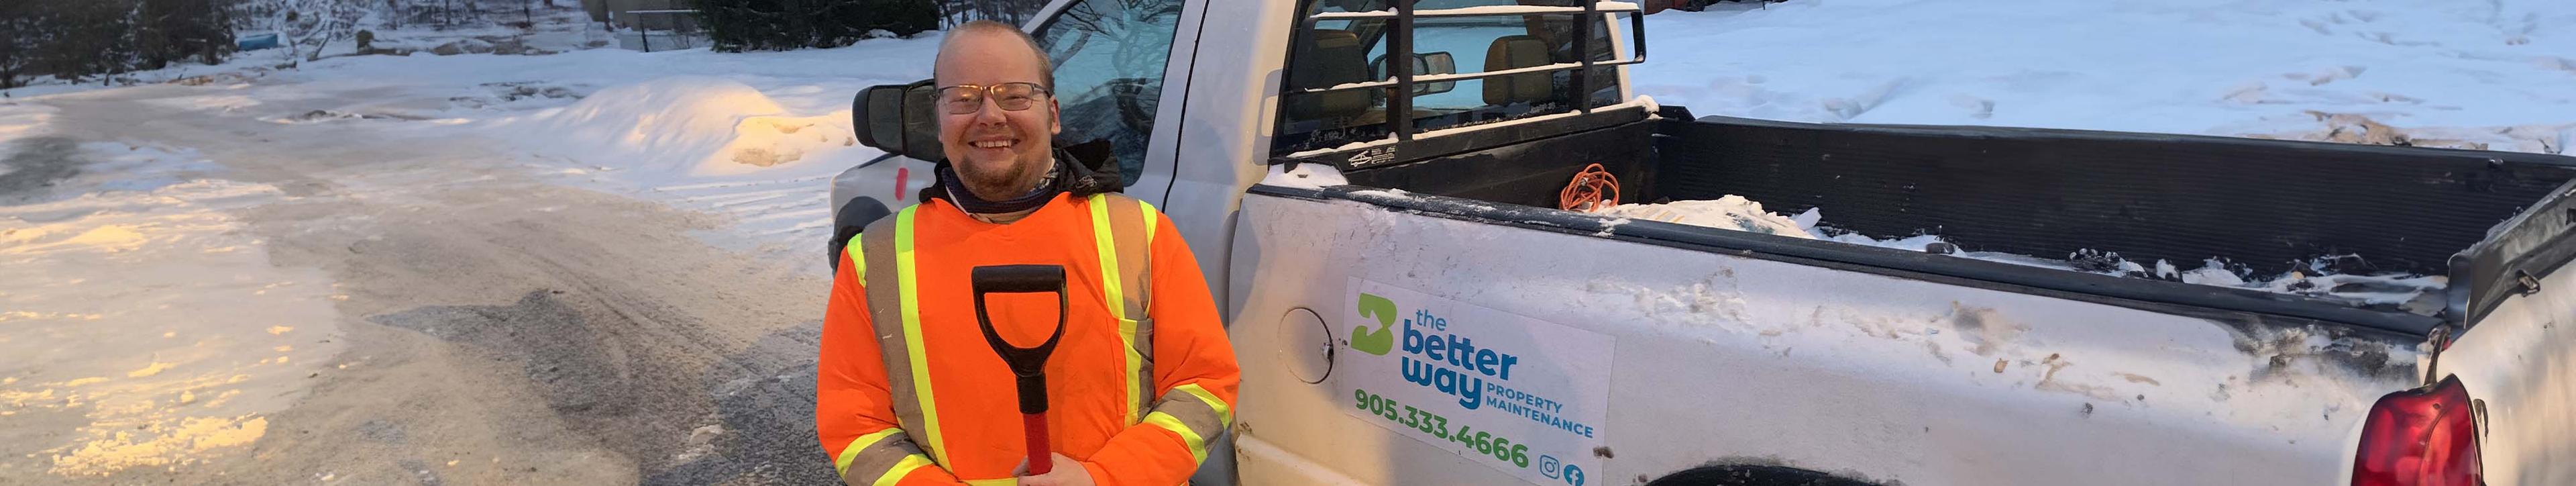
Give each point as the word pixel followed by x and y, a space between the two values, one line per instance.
pixel 2498 74
pixel 750 136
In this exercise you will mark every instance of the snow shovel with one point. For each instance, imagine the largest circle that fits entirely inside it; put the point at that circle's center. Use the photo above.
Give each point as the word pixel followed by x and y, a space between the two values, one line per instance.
pixel 1029 364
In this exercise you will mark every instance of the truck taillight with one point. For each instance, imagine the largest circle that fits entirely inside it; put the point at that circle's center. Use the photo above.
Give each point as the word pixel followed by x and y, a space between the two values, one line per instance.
pixel 2421 437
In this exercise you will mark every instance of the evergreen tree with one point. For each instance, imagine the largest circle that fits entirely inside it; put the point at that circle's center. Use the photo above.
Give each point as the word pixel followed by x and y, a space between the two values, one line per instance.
pixel 761 25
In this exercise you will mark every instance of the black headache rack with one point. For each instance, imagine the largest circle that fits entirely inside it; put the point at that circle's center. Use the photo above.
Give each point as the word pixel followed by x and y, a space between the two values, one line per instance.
pixel 1401 86
pixel 2485 219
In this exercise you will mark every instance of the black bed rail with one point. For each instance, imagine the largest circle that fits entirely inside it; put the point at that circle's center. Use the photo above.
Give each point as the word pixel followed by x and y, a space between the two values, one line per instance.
pixel 2514 257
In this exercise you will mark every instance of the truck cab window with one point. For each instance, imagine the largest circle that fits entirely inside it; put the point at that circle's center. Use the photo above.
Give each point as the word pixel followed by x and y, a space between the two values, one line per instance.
pixel 1109 57
pixel 1341 51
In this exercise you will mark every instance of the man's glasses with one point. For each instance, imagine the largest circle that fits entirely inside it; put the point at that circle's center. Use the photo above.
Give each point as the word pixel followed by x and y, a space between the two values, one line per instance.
pixel 967 98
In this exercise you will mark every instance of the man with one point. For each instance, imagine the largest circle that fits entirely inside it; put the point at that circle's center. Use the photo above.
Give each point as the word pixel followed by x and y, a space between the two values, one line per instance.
pixel 908 391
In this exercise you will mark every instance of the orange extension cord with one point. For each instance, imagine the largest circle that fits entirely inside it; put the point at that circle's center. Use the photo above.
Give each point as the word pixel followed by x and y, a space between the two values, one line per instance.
pixel 1593 190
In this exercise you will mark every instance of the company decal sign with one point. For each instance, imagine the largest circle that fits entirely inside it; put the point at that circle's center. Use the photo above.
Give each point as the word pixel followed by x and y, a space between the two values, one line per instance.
pixel 1522 395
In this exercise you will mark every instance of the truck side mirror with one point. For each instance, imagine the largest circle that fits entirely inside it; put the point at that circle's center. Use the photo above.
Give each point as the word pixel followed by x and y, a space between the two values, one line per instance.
pixel 1435 63
pixel 897 118
pixel 1424 65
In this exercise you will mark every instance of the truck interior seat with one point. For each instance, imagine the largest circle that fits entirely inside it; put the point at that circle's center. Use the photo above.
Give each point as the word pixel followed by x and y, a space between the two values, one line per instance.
pixel 1514 52
pixel 1336 57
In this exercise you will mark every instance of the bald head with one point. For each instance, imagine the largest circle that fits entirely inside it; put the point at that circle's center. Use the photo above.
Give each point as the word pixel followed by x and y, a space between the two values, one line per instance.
pixel 949 52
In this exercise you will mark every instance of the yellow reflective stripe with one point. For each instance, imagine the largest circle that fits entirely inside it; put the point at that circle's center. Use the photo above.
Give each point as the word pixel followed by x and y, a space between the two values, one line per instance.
pixel 1114 291
pixel 906 268
pixel 1198 446
pixel 1102 239
pixel 893 476
pixel 994 482
pixel 842 464
pixel 1224 413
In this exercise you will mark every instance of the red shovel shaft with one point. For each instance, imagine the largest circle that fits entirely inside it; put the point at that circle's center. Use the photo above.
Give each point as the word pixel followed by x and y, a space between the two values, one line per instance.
pixel 1039 460
pixel 1028 364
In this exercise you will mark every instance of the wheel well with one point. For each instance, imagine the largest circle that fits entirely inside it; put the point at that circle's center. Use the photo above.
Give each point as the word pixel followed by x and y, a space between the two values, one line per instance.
pixel 852 217
pixel 1755 475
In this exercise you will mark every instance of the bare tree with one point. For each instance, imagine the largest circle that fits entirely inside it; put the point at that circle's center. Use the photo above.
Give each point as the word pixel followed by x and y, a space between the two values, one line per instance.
pixel 310 25
pixel 1007 11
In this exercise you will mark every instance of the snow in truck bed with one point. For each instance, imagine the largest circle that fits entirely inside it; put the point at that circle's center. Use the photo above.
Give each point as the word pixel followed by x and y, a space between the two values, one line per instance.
pixel 2400 291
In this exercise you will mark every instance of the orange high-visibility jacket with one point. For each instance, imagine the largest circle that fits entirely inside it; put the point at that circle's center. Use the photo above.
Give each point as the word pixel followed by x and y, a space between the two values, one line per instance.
pixel 908 391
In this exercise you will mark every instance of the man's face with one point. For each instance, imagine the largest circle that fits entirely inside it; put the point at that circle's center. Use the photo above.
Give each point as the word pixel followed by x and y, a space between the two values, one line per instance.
pixel 998 153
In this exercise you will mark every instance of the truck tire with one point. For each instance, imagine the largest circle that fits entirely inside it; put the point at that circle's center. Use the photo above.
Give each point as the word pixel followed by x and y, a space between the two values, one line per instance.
pixel 1754 475
pixel 851 218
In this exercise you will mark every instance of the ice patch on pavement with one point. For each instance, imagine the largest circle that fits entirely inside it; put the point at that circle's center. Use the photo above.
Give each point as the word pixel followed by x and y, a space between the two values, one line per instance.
pixel 19 119
pixel 137 316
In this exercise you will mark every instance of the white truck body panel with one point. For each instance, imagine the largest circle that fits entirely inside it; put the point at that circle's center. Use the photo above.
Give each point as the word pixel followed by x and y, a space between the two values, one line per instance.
pixel 1227 132
pixel 2521 362
pixel 1731 358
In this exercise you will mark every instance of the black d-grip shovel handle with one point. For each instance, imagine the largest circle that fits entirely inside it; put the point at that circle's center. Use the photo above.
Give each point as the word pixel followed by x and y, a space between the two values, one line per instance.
pixel 1029 364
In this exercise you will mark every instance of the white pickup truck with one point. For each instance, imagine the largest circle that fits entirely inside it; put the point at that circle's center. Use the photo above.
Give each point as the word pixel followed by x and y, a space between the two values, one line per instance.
pixel 1412 304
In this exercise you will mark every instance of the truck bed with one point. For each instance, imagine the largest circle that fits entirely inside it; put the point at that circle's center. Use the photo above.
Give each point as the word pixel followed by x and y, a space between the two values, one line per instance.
pixel 2265 206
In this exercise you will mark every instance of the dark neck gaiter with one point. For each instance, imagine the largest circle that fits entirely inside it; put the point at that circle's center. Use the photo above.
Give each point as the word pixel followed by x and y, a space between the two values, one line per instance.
pixel 968 201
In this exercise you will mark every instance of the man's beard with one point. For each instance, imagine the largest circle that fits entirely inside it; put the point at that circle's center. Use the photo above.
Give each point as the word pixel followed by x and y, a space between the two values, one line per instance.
pixel 1002 183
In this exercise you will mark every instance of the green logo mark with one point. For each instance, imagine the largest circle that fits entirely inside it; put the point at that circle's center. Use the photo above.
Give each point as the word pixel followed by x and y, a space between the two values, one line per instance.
pixel 1382 340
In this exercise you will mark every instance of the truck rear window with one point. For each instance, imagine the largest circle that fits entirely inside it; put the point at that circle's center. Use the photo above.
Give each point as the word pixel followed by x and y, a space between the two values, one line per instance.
pixel 1343 51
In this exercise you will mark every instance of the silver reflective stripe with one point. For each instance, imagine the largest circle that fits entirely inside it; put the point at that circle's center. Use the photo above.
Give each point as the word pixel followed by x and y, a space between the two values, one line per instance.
pixel 882 457
pixel 1194 414
pixel 1199 415
pixel 886 279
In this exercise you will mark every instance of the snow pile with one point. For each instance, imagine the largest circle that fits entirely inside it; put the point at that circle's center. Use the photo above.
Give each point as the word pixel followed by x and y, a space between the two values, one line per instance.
pixel 680 127
pixel 139 244
pixel 768 141
pixel 706 144
pixel 2488 74
pixel 2414 293
pixel 683 115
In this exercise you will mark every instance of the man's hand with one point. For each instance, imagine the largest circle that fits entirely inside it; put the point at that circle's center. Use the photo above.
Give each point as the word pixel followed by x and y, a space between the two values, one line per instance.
pixel 1067 472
